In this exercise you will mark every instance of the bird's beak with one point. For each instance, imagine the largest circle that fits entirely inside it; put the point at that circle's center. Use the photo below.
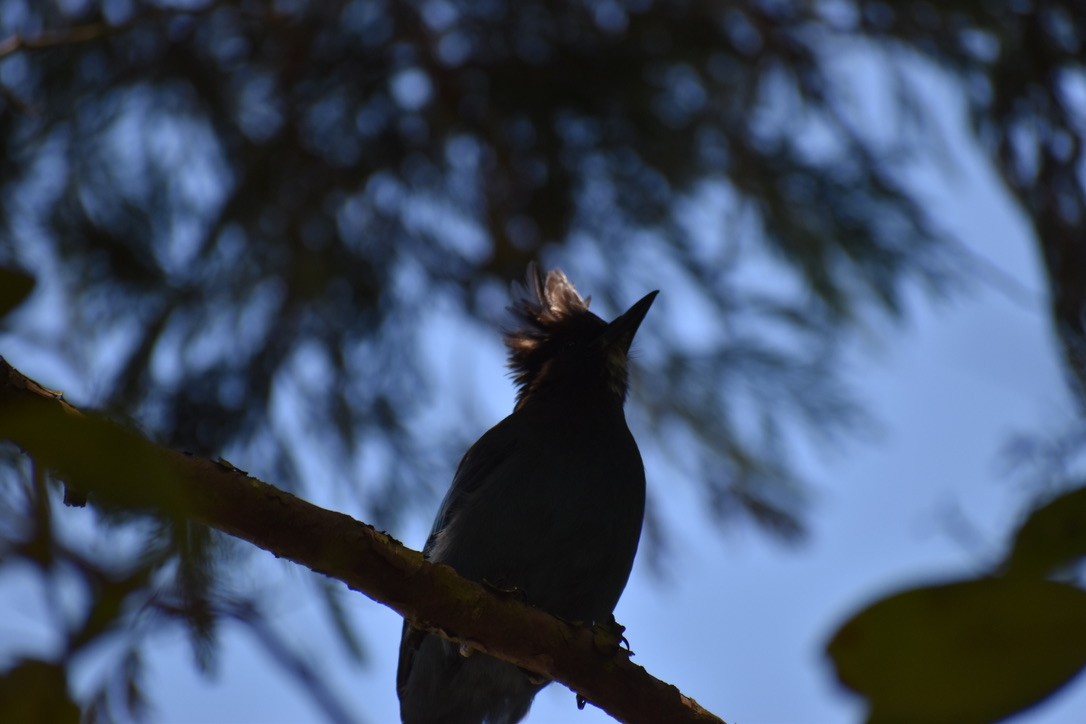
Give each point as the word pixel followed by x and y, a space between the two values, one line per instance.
pixel 621 331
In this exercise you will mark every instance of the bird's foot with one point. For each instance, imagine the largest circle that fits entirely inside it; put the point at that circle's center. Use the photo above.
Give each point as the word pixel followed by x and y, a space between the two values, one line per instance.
pixel 608 636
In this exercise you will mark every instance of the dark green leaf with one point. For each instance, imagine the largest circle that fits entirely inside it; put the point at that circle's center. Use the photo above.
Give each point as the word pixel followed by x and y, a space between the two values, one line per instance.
pixel 963 652
pixel 36 691
pixel 1053 536
pixel 15 287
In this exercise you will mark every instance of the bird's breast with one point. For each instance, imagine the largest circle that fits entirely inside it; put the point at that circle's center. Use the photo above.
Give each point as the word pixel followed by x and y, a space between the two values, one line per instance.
pixel 559 519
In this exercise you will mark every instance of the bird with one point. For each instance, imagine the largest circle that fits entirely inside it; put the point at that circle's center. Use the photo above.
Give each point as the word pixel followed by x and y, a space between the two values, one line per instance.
pixel 549 503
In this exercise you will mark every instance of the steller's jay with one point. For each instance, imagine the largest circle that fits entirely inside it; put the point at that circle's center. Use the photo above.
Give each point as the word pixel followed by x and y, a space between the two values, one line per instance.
pixel 549 502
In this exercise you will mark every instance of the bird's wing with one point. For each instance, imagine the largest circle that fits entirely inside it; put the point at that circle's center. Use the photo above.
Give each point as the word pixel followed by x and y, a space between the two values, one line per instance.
pixel 410 640
pixel 490 451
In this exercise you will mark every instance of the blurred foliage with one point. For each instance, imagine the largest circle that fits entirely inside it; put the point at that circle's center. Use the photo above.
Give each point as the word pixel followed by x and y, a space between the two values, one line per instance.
pixel 255 202
pixel 977 649
pixel 1053 538
pixel 15 287
pixel 1022 67
pixel 36 691
pixel 243 216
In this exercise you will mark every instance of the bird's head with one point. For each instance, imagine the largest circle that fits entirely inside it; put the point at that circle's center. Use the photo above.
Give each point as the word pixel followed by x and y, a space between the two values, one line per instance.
pixel 560 344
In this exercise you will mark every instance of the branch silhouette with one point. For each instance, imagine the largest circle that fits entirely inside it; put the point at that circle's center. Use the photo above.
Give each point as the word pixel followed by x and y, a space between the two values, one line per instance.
pixel 117 466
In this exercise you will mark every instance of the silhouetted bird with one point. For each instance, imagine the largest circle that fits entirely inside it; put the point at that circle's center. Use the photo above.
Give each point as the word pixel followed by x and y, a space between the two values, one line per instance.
pixel 549 502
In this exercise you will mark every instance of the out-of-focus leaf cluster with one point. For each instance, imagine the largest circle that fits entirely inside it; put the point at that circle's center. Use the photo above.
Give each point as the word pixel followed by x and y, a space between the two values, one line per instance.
pixel 1022 68
pixel 114 591
pixel 106 590
pixel 255 205
pixel 977 649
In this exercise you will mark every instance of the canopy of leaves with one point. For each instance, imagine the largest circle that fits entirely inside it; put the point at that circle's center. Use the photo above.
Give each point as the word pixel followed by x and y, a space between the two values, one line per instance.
pixel 231 192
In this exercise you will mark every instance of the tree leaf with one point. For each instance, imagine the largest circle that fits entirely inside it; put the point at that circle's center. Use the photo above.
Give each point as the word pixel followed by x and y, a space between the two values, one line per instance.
pixel 1054 535
pixel 973 650
pixel 15 287
pixel 36 691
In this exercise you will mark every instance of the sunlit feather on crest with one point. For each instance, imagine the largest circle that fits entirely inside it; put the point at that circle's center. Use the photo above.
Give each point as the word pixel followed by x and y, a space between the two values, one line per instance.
pixel 550 314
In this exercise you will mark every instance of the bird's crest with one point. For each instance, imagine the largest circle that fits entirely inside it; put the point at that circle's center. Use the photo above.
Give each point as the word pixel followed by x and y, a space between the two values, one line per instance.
pixel 549 311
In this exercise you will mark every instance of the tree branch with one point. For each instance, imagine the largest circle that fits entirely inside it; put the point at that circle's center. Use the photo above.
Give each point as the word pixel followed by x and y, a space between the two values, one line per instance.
pixel 117 466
